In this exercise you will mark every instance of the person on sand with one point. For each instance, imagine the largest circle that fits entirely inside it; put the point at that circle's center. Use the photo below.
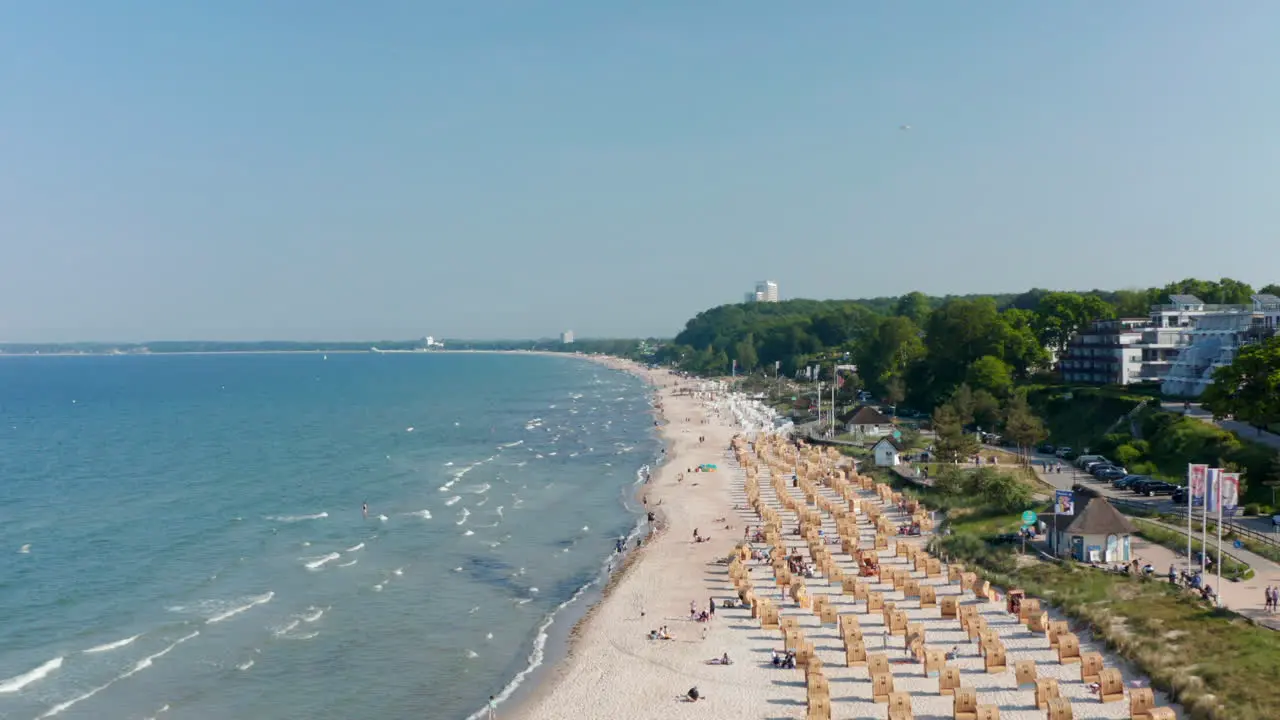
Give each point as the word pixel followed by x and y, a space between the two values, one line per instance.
pixel 493 708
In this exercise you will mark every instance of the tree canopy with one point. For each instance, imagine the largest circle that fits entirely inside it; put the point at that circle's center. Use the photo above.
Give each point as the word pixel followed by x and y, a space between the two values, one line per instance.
pixel 1248 388
pixel 918 348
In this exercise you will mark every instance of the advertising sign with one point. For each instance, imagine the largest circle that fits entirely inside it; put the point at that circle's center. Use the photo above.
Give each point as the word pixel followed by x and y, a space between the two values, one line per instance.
pixel 1064 502
pixel 1196 476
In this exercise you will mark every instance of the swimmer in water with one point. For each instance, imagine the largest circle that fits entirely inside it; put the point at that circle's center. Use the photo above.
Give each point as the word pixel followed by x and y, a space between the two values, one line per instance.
pixel 365 509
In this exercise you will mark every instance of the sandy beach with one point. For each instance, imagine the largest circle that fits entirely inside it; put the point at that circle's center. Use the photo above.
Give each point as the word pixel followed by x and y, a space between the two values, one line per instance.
pixel 614 670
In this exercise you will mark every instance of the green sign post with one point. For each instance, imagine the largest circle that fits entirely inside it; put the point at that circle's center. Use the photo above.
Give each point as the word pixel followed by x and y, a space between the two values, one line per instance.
pixel 1029 517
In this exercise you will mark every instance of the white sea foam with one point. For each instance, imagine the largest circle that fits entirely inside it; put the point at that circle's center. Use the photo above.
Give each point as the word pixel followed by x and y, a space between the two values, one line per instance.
pixel 452 500
pixel 161 711
pixel 472 654
pixel 482 503
pixel 512 444
pixel 424 514
pixel 468 533
pixel 473 610
pixel 113 645
pixel 297 518
pixel 378 587
pixel 147 661
pixel 445 487
pixel 524 601
pixel 449 464
pixel 354 548
pixel 349 564
pixel 465 514
pixel 313 614
pixel 383 518
pixel 399 571
pixel 25 549
pixel 409 429
pixel 17 682
pixel 480 489
pixel 304 636
pixel 500 510
pixel 286 629
pixel 317 563
pixel 245 665
pixel 253 602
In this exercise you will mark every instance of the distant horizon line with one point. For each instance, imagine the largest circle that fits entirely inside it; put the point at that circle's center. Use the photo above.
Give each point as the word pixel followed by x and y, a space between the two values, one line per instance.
pixel 145 343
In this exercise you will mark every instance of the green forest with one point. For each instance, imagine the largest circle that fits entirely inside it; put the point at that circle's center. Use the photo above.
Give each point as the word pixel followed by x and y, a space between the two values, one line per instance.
pixel 916 347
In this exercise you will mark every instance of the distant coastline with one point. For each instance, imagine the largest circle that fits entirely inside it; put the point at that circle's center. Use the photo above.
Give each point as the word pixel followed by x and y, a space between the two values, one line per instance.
pixel 619 347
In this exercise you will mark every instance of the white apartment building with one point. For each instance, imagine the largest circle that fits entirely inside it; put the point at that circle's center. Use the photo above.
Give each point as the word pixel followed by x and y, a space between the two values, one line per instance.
pixel 1215 338
pixel 566 337
pixel 766 291
pixel 1180 344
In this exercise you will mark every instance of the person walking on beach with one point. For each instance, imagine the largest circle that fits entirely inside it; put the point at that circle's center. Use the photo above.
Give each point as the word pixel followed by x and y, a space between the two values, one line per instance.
pixel 493 708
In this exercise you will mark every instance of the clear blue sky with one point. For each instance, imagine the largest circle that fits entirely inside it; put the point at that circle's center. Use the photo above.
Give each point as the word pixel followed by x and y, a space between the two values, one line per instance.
pixel 325 169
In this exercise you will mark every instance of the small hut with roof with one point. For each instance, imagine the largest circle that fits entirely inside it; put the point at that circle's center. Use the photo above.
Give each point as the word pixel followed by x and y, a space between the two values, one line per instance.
pixel 1096 533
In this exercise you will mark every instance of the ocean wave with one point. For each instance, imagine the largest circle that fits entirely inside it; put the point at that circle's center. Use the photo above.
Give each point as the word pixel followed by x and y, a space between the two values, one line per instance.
pixel 317 563
pixel 112 645
pixel 468 533
pixel 465 514
pixel 424 514
pixel 245 665
pixel 354 548
pixel 141 665
pixel 297 518
pixel 17 682
pixel 398 571
pixel 517 443
pixel 313 614
pixel 452 500
pixel 480 489
pixel 383 518
pixel 280 632
pixel 304 636
pixel 349 564
pixel 253 602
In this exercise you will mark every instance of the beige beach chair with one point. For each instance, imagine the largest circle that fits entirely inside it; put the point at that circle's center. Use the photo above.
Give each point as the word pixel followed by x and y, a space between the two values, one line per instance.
pixel 900 706
pixel 1057 628
pixel 1060 709
pixel 898 623
pixel 855 654
pixel 1024 672
pixel 1068 648
pixel 1090 667
pixel 949 606
pixel 881 687
pixel 911 588
pixel 928 597
pixel 1038 623
pixel 965 704
pixel 994 658
pixel 934 662
pixel 1111 685
pixel 1046 690
pixel 1027 608
pixel 875 602
pixel 988 712
pixel 948 680
pixel 877 663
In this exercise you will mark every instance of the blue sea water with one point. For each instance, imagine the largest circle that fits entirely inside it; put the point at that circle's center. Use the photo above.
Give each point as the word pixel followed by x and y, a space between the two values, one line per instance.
pixel 182 536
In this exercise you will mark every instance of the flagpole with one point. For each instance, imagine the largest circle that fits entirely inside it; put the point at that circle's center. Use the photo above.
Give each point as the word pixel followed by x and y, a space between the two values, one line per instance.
pixel 1190 494
pixel 1218 590
pixel 1204 522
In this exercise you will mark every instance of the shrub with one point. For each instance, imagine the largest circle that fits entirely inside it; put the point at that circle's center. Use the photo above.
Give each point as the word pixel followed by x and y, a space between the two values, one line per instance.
pixel 1127 454
pixel 1252 509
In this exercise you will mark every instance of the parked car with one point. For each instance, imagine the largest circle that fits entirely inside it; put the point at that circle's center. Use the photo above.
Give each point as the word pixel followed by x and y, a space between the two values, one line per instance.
pixel 1275 520
pixel 1180 496
pixel 1110 472
pixel 1083 461
pixel 1069 455
pixel 1125 482
pixel 1046 449
pixel 1089 466
pixel 1153 488
pixel 1062 452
